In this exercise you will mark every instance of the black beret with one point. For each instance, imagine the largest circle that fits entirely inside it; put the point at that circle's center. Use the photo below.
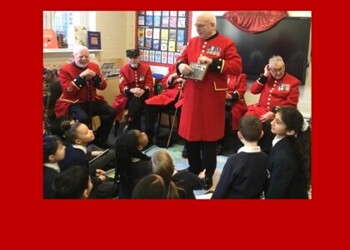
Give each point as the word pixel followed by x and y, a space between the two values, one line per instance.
pixel 131 53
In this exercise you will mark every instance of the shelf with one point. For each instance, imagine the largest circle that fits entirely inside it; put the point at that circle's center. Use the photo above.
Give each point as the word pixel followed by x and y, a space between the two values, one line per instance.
pixel 47 51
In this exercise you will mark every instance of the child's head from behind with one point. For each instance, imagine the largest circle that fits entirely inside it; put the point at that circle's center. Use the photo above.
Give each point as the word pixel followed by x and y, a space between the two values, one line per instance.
pixel 73 183
pixel 250 128
pixel 79 133
pixel 163 165
pixel 150 187
pixel 288 121
pixel 53 148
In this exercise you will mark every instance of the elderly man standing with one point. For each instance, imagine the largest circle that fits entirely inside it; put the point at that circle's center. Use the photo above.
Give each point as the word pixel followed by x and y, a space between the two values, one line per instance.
pixel 202 117
pixel 79 81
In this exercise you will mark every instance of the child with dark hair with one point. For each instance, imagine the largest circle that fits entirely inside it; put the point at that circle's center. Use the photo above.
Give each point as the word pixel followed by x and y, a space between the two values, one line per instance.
pixel 181 183
pixel 151 186
pixel 106 161
pixel 244 174
pixel 60 124
pixel 53 151
pixel 78 136
pixel 289 159
pixel 132 163
pixel 73 183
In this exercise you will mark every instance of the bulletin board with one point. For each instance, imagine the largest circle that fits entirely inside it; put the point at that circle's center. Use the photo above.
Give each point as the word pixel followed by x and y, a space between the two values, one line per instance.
pixel 161 35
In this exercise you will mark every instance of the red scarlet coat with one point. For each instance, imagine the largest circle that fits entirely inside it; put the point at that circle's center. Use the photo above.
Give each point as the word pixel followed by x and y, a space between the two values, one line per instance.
pixel 275 93
pixel 168 95
pixel 203 107
pixel 238 84
pixel 71 93
pixel 132 78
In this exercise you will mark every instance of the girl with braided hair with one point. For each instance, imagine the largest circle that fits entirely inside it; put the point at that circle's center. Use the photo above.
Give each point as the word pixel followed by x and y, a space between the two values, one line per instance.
pixel 132 163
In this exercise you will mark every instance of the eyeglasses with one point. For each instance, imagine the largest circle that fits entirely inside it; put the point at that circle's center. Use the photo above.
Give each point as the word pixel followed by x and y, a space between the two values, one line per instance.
pixel 280 70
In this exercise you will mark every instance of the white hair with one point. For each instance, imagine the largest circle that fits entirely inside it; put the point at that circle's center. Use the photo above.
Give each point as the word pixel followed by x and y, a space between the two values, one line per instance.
pixel 79 48
pixel 276 60
pixel 209 17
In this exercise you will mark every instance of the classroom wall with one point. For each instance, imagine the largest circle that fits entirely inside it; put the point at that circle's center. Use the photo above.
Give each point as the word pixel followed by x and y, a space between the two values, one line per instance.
pixel 117 34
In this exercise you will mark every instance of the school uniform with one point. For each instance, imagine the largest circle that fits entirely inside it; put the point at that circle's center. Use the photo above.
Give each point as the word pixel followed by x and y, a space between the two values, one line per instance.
pixel 288 179
pixel 139 168
pixel 244 175
pixel 187 182
pixel 77 155
pixel 51 170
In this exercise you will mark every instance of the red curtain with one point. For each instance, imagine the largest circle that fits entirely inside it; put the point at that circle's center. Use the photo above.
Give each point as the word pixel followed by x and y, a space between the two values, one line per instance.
pixel 254 21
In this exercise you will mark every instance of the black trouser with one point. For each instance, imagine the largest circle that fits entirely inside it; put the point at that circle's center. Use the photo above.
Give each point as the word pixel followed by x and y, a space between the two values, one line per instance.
pixel 135 109
pixel 228 126
pixel 151 114
pixel 82 112
pixel 202 155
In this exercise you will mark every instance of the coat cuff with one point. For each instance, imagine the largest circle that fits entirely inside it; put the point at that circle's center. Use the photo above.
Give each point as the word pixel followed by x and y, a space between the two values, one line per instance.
pixel 262 79
pixel 177 67
pixel 217 65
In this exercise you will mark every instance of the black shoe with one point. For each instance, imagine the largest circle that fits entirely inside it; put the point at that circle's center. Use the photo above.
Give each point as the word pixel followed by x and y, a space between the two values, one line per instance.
pixel 208 183
pixel 184 153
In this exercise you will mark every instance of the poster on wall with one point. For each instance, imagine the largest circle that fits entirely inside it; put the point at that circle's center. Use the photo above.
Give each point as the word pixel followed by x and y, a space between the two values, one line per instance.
pixel 161 35
pixel 94 40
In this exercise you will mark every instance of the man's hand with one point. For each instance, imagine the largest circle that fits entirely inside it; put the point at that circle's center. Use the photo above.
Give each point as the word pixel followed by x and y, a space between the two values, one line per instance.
pixel 205 60
pixel 138 92
pixel 267 70
pixel 180 82
pixel 87 74
pixel 171 77
pixel 101 174
pixel 267 116
pixel 185 69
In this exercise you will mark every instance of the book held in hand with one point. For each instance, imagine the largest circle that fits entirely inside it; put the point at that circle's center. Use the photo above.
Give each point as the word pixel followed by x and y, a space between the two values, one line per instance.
pixel 199 71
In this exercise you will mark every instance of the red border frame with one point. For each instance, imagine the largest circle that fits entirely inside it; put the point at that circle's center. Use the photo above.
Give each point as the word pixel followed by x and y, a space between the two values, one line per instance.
pixel 29 221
